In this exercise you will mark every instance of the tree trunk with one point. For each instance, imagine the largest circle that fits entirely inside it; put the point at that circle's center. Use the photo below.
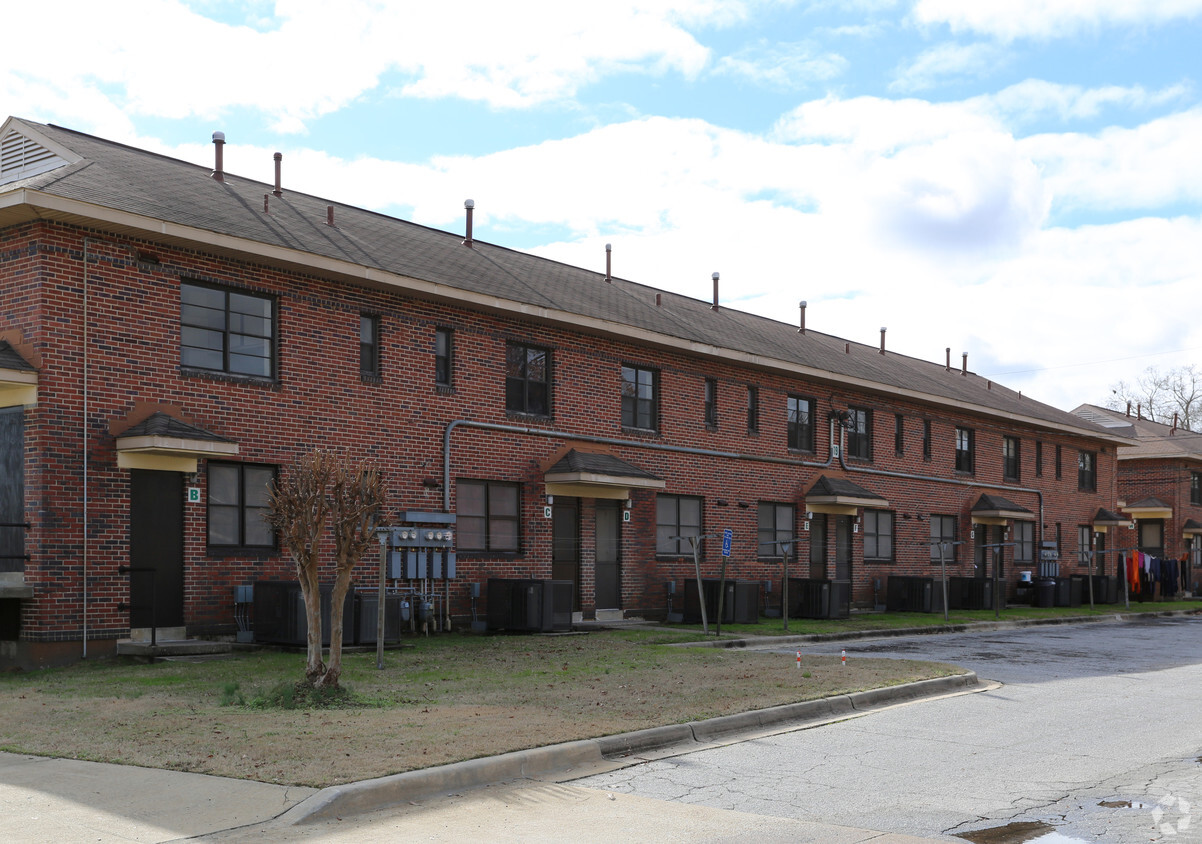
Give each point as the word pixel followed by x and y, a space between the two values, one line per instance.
pixel 311 590
pixel 333 669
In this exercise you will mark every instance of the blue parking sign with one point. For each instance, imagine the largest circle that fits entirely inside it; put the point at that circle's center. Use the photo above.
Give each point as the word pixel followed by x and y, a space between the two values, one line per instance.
pixel 727 535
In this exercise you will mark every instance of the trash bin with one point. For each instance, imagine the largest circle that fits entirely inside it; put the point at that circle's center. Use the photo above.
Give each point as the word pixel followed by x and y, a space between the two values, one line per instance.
pixel 1045 592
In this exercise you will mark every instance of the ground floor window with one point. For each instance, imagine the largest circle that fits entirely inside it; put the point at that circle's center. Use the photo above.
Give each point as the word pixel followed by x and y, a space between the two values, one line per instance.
pixel 487 516
pixel 677 517
pixel 239 498
pixel 943 529
pixel 878 535
pixel 775 528
pixel 1024 543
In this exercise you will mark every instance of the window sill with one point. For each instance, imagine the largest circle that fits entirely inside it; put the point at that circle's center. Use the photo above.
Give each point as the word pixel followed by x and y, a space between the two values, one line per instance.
pixel 222 551
pixel 444 389
pixel 229 377
pixel 642 432
pixel 370 378
pixel 522 416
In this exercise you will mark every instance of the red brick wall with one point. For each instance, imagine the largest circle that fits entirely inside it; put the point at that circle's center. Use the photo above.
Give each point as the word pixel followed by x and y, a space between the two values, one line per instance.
pixel 319 400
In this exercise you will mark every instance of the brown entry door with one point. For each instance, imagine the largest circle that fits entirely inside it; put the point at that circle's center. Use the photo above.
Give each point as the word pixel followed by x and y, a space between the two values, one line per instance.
pixel 156 549
pixel 608 569
pixel 565 544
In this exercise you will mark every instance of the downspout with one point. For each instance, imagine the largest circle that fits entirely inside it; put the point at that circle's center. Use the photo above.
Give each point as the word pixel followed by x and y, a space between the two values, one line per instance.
pixel 563 435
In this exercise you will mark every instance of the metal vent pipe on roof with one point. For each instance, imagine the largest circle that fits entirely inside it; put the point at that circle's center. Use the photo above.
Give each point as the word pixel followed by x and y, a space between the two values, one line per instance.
pixel 964 364
pixel 608 263
pixel 802 327
pixel 266 207
pixel 278 158
pixel 329 215
pixel 714 306
pixel 947 366
pixel 218 166
pixel 883 329
pixel 469 206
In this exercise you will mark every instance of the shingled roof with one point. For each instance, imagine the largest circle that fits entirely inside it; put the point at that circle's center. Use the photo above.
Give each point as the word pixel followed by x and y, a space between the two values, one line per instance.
pixel 132 191
pixel 1150 440
pixel 10 358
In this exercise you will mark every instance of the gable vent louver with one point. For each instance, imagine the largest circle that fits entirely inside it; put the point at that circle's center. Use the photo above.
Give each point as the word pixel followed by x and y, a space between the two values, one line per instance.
pixel 21 157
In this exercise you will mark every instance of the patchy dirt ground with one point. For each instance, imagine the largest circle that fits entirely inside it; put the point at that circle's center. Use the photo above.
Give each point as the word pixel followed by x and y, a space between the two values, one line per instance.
pixel 438 700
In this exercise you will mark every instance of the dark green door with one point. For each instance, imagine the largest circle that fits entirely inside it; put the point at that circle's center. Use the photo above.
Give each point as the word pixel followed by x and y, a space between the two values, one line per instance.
pixel 156 549
pixel 608 570
pixel 12 489
pixel 565 544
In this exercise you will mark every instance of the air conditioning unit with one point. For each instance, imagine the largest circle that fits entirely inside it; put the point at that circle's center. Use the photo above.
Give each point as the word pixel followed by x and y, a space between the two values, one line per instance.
pixel 530 606
pixel 280 614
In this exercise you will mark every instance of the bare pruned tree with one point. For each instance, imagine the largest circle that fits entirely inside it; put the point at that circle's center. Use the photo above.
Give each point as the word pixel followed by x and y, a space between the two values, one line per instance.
pixel 1158 395
pixel 317 489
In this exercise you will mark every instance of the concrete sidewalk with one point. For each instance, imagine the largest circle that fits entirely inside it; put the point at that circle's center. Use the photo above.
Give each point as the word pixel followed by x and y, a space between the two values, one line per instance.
pixel 47 799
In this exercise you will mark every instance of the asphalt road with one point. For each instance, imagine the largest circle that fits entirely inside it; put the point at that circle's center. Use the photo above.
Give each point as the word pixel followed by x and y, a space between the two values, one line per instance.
pixel 1093 729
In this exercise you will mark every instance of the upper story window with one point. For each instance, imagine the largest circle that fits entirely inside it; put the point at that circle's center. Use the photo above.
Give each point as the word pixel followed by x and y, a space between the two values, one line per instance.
pixel 1058 465
pixel 677 517
pixel 1010 458
pixel 878 535
pixel 369 345
pixel 1084 538
pixel 711 402
pixel 775 528
pixel 859 433
pixel 965 450
pixel 239 499
pixel 527 379
pixel 801 423
pixel 227 330
pixel 899 434
pixel 1195 487
pixel 1039 458
pixel 487 516
pixel 443 350
pixel 943 530
pixel 1087 471
pixel 926 439
pixel 640 398
pixel 753 409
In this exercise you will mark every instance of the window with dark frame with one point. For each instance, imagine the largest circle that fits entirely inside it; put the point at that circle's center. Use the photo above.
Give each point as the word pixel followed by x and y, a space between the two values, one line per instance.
pixel 1087 471
pixel 1024 542
pixel 753 409
pixel 1057 462
pixel 926 439
pixel 487 516
pixel 527 379
pixel 943 529
pixel 369 345
pixel 443 356
pixel 1010 458
pixel 859 434
pixel 775 525
pixel 227 330
pixel 239 498
pixel 965 450
pixel 801 423
pixel 711 402
pixel 878 535
pixel 640 398
pixel 899 434
pixel 1039 458
pixel 676 516
pixel 1195 487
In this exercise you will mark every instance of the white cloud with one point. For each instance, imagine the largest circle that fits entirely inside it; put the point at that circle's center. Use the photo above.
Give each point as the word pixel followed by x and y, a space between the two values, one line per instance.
pixel 945 61
pixel 782 66
pixel 1149 166
pixel 1035 99
pixel 1011 19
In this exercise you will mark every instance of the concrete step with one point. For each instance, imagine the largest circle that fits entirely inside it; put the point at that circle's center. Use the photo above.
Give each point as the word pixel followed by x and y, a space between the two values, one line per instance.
pixel 164 648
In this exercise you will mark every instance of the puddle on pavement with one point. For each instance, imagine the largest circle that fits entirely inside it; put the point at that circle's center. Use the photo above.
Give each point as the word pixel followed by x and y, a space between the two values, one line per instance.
pixel 1018 832
pixel 1123 804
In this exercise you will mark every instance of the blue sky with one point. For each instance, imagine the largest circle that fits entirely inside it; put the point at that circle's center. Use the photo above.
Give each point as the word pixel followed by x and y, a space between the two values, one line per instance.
pixel 1015 179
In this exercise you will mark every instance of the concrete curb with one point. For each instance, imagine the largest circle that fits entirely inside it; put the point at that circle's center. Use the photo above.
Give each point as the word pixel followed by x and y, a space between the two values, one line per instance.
pixel 370 795
pixel 931 630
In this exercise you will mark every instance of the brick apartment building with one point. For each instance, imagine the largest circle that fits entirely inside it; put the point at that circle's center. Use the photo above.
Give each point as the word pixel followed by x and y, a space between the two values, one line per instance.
pixel 172 336
pixel 1159 485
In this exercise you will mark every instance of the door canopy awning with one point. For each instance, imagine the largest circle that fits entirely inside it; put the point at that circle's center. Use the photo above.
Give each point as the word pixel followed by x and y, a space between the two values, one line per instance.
pixel 1192 528
pixel 1107 519
pixel 840 497
pixel 597 475
pixel 996 510
pixel 18 378
pixel 160 441
pixel 1149 508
